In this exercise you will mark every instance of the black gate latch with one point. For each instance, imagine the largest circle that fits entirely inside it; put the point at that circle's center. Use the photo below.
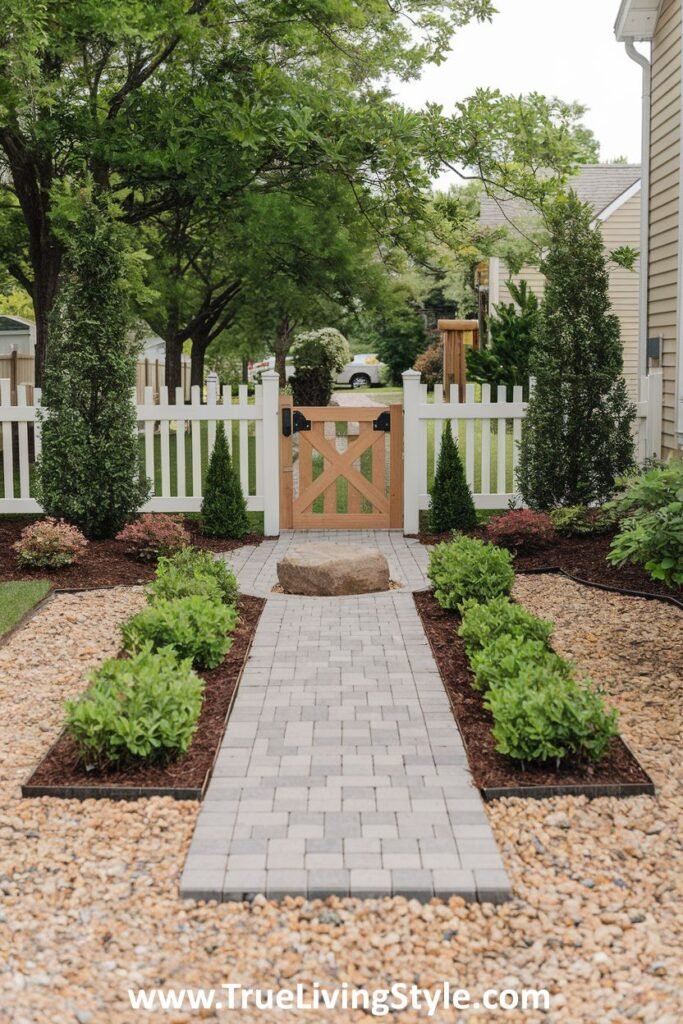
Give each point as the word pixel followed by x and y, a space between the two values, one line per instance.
pixel 383 422
pixel 293 422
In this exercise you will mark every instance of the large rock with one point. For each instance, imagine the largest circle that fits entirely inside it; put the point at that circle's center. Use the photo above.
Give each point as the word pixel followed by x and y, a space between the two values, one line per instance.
pixel 333 570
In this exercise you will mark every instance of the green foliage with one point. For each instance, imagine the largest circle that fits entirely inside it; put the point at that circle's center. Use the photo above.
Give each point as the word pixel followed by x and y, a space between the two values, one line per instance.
pixel 541 715
pixel 652 533
pixel 88 471
pixel 193 571
pixel 512 335
pixel 317 357
pixel 482 624
pixel 451 504
pixel 143 708
pixel 576 437
pixel 508 656
pixel 401 339
pixel 581 521
pixel 224 508
pixel 467 569
pixel 195 626
pixel 429 364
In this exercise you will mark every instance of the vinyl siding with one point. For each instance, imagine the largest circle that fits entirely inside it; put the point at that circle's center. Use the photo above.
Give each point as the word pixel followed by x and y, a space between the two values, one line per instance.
pixel 665 159
pixel 623 228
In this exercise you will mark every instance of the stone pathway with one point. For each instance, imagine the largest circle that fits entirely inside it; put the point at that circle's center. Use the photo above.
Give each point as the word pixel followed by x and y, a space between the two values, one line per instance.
pixel 342 770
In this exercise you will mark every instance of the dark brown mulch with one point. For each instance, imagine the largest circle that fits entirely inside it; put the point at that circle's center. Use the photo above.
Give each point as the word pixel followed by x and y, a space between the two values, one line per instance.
pixel 60 765
pixel 583 557
pixel 105 563
pixel 490 769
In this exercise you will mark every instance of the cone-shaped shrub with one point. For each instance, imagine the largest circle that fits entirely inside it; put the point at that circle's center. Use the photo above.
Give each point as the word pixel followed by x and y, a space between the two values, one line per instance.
pixel 224 510
pixel 451 506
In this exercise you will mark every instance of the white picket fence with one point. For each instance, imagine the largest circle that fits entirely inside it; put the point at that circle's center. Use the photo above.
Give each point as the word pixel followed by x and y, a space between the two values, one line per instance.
pixel 487 433
pixel 177 440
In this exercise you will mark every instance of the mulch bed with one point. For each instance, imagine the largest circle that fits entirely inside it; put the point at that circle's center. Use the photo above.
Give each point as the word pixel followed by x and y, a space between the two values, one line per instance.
pixel 105 563
pixel 584 558
pixel 619 774
pixel 59 773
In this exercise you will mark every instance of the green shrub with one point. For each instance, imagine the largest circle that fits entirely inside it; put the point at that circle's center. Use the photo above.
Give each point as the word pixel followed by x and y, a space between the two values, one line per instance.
pixel 508 657
pixel 581 521
pixel 193 571
pixel 652 535
pixel 196 627
pixel 467 569
pixel 49 544
pixel 544 716
pixel 224 510
pixel 482 624
pixel 88 472
pixel 451 506
pixel 144 708
pixel 317 356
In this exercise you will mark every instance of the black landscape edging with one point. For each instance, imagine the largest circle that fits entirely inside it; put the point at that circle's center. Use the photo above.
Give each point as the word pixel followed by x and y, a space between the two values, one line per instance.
pixel 547 570
pixel 591 792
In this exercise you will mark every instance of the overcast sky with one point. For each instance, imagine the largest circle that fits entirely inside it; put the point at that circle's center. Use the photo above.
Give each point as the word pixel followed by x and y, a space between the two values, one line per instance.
pixel 562 48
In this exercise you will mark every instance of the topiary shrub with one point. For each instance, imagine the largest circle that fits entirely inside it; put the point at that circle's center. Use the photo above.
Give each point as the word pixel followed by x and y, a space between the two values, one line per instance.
pixel 467 569
pixel 451 506
pixel 544 716
pixel 652 533
pixel 507 657
pixel 143 708
pixel 581 521
pixel 512 336
pixel 317 356
pixel 49 544
pixel 152 535
pixel 520 529
pixel 224 509
pixel 195 627
pixel 192 571
pixel 88 472
pixel 576 436
pixel 483 624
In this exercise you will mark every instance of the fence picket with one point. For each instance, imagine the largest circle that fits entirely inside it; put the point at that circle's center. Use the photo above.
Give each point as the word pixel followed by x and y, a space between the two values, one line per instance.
pixel 469 439
pixel 517 396
pixel 7 453
pixel 243 399
pixel 149 440
pixel 485 443
pixel 502 443
pixel 196 443
pixel 22 428
pixel 164 433
pixel 180 443
pixel 438 424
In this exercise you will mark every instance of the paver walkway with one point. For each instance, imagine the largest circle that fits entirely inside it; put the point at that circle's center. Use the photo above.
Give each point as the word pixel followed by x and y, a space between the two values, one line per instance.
pixel 342 770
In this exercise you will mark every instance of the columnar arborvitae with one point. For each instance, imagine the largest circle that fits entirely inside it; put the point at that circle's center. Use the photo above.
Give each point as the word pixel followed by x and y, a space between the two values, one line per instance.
pixel 451 507
pixel 224 509
pixel 577 434
pixel 89 470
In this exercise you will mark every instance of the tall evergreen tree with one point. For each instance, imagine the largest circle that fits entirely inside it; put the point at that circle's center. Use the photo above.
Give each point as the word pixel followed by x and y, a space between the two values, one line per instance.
pixel 513 330
pixel 451 506
pixel 577 433
pixel 89 469
pixel 224 509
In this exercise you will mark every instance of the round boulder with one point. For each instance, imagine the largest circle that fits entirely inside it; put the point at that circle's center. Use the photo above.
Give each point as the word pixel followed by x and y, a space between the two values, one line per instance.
pixel 333 570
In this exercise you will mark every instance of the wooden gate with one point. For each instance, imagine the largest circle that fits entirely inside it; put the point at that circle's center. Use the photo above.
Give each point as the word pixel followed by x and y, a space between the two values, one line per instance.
pixel 341 468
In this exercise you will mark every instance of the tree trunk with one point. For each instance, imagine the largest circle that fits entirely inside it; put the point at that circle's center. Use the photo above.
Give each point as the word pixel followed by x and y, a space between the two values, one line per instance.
pixel 174 379
pixel 283 342
pixel 44 294
pixel 200 343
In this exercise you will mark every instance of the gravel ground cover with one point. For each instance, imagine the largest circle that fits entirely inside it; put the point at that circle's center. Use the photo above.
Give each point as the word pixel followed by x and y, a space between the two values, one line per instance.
pixel 89 903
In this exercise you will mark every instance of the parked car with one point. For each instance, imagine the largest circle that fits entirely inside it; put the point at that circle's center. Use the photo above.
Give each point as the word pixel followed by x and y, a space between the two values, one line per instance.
pixel 365 371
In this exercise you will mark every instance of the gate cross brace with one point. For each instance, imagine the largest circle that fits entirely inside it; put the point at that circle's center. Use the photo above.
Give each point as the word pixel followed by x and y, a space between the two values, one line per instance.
pixel 341 464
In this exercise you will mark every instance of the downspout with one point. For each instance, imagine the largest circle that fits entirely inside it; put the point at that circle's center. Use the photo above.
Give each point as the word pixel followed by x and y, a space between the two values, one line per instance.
pixel 644 63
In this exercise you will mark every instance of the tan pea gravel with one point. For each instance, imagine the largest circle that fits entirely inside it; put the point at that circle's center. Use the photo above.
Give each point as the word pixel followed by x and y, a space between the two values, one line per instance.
pixel 88 891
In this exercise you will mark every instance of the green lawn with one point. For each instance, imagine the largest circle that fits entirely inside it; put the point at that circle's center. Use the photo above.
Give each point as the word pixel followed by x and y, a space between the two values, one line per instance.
pixel 17 598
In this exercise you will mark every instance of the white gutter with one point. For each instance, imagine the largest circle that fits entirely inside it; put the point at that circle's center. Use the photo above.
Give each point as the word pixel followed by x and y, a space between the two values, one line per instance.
pixel 644 63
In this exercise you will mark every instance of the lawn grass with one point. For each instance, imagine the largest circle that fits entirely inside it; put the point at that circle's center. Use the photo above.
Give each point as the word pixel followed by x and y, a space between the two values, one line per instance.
pixel 18 598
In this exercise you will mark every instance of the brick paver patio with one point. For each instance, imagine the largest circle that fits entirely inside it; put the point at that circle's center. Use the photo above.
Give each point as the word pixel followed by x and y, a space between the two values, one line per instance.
pixel 342 770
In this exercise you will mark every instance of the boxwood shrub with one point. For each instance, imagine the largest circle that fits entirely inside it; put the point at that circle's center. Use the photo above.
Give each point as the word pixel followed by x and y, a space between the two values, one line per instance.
pixel 193 571
pixel 507 657
pixel 468 569
pixel 484 623
pixel 195 627
pixel 143 708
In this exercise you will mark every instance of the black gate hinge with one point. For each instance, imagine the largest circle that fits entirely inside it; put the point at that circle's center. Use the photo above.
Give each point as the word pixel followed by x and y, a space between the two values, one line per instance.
pixel 383 422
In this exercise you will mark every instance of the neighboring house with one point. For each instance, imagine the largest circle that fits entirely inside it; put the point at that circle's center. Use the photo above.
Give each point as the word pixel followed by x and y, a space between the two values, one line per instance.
pixel 17 335
pixel 613 191
pixel 661 331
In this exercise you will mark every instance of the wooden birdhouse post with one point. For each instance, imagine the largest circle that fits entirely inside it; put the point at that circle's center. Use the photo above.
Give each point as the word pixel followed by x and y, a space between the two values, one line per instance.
pixel 457 335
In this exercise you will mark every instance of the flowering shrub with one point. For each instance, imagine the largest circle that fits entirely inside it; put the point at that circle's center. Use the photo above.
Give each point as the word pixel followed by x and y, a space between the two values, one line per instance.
pixel 150 536
pixel 429 365
pixel 520 529
pixel 49 544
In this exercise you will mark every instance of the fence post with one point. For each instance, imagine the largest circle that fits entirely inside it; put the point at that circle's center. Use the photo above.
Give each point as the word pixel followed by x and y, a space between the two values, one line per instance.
pixel 411 451
pixel 270 397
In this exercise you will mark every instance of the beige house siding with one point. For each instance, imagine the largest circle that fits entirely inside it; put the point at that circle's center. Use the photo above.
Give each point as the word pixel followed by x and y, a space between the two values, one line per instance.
pixel 665 158
pixel 623 228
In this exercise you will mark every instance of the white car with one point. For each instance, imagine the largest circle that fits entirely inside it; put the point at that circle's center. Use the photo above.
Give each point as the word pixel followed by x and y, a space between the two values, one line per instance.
pixel 364 371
